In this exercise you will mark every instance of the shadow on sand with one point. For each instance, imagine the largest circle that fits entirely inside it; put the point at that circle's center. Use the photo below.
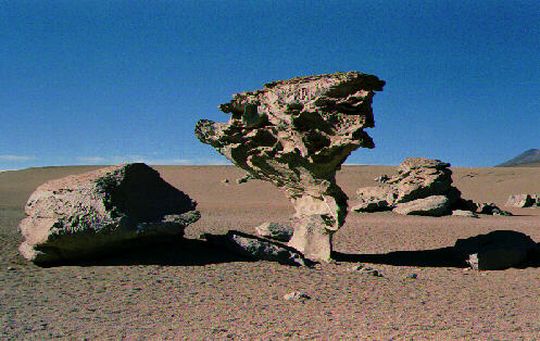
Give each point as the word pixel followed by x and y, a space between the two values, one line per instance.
pixel 443 257
pixel 186 252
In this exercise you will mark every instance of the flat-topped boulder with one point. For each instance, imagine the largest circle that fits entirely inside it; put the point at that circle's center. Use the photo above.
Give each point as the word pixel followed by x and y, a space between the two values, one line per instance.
pixel 296 134
pixel 102 212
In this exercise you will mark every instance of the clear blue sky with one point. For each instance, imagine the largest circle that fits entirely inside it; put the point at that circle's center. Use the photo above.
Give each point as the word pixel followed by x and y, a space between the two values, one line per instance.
pixel 86 82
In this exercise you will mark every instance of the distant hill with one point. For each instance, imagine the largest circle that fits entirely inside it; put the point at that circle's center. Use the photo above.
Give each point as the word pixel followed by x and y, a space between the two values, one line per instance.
pixel 530 158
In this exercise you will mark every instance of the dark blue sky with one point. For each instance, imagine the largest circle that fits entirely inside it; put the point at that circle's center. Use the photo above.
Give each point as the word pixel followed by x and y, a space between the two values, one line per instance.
pixel 86 82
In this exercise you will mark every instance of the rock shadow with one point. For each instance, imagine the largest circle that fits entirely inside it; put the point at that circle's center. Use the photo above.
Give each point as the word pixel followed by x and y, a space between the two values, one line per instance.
pixel 184 252
pixel 443 257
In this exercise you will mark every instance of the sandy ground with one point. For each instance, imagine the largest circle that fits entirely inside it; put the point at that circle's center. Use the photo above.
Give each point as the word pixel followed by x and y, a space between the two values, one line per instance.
pixel 187 290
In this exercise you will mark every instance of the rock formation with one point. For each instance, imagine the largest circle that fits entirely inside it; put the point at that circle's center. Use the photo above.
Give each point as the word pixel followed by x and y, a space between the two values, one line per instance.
pixel 257 248
pixel 276 231
pixel 85 216
pixel 296 134
pixel 420 187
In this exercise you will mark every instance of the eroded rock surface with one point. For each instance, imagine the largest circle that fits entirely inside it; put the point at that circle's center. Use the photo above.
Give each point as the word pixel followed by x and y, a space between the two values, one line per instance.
pixel 296 134
pixel 407 191
pixel 276 231
pixel 88 215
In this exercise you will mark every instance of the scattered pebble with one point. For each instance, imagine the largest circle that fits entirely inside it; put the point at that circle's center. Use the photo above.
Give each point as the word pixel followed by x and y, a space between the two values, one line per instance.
pixel 367 270
pixel 412 276
pixel 225 181
pixel 296 296
pixel 10 268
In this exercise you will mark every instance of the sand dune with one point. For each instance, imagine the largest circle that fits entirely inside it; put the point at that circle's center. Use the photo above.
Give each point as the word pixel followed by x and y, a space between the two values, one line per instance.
pixel 188 290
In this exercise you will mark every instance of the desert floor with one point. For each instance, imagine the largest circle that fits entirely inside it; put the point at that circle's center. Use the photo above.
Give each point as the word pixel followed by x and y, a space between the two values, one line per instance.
pixel 189 290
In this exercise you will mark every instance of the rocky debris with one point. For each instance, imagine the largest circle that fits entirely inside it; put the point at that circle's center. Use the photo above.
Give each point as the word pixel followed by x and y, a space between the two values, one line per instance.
pixel 463 213
pixel 523 200
pixel 244 179
pixel 366 270
pixel 407 192
pixel 411 276
pixel 258 248
pixel 279 232
pixel 435 206
pixel 496 250
pixel 225 181
pixel 296 296
pixel 101 212
pixel 296 134
pixel 490 208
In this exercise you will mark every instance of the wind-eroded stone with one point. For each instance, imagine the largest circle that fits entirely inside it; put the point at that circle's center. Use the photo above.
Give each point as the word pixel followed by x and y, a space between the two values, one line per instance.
pixel 296 134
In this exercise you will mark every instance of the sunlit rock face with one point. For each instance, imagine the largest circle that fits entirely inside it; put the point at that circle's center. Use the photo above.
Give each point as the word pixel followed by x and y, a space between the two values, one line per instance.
pixel 296 133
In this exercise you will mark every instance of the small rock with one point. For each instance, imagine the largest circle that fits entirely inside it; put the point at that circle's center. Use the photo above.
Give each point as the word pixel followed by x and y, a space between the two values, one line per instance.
pixel 296 296
pixel 10 268
pixel 366 270
pixel 463 213
pixel 412 276
pixel 244 179
pixel 225 181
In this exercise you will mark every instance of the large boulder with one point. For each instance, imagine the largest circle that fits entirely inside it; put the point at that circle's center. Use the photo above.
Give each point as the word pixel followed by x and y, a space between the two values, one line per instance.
pixel 435 206
pixel 296 134
pixel 496 250
pixel 416 179
pixel 96 213
pixel 419 178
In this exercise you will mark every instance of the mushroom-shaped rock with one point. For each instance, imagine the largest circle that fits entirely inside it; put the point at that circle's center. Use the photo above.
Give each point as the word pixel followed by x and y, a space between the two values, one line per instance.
pixel 296 134
pixel 100 212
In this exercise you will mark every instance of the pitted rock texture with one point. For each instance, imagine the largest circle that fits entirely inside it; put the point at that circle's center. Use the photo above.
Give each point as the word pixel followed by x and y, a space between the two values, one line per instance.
pixel 296 134
pixel 407 192
pixel 96 213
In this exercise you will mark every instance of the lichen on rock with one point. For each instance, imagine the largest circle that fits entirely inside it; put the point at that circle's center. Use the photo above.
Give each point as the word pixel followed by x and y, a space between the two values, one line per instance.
pixel 296 134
